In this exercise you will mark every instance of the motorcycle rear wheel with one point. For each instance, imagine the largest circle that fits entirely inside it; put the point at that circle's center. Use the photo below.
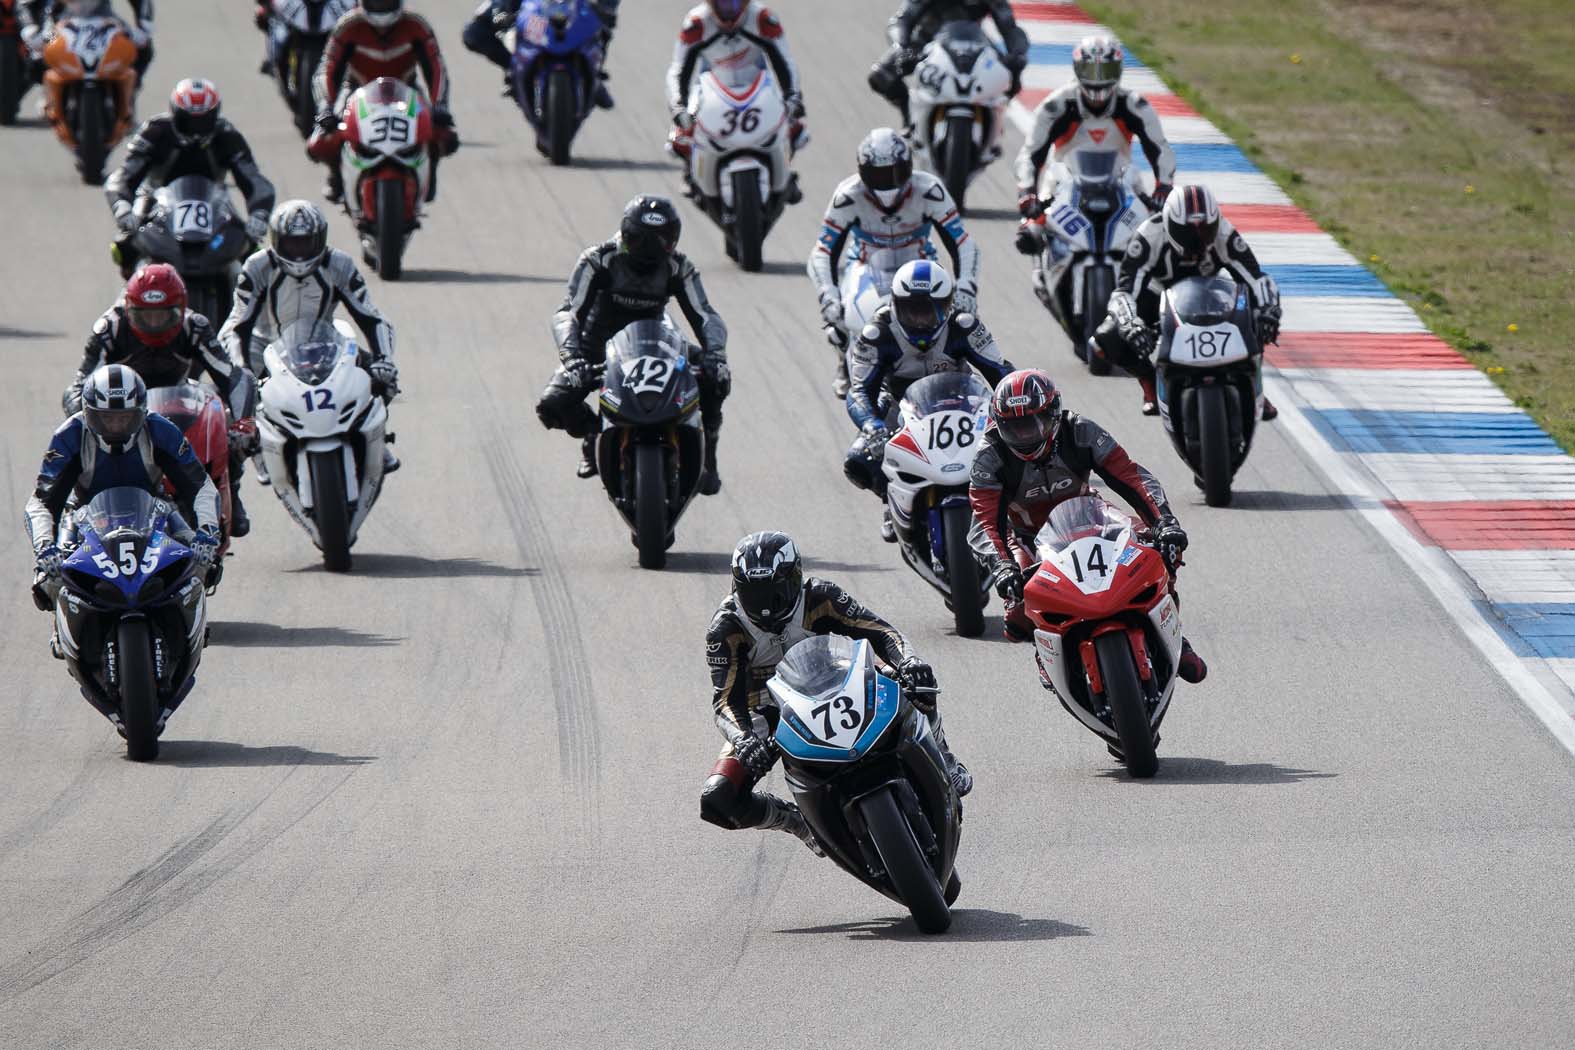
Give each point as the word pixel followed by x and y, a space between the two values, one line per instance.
pixel 91 134
pixel 748 220
pixel 390 229
pixel 910 874
pixel 560 112
pixel 1214 444
pixel 962 572
pixel 958 163
pixel 1096 294
pixel 1128 710
pixel 330 509
pixel 650 506
pixel 308 54
pixel 139 690
pixel 11 82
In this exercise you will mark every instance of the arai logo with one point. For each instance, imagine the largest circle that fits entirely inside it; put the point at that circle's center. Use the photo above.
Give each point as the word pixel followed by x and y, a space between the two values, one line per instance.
pixel 153 295
pixel 653 218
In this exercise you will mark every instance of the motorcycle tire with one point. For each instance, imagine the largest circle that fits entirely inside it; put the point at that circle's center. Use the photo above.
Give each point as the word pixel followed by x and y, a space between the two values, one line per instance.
pixel 330 509
pixel 139 690
pixel 1214 444
pixel 12 83
pixel 909 873
pixel 92 135
pixel 958 162
pixel 962 572
pixel 307 55
pixel 1097 287
pixel 650 506
pixel 561 112
pixel 748 220
pixel 390 226
pixel 1128 709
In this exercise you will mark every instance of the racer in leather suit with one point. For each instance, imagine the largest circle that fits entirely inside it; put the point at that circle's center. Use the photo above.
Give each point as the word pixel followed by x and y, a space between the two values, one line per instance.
pixel 169 357
pixel 1188 238
pixel 916 24
pixel 36 23
pixel 493 19
pixel 772 608
pixel 749 35
pixel 615 283
pixel 368 44
pixel 165 149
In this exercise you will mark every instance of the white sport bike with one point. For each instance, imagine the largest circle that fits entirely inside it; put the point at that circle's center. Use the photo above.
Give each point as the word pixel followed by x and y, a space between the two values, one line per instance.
pixel 942 419
pixel 959 99
pixel 322 434
pixel 740 156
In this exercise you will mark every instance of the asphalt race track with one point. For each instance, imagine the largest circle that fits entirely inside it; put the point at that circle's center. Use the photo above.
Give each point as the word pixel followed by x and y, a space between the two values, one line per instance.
pixel 450 800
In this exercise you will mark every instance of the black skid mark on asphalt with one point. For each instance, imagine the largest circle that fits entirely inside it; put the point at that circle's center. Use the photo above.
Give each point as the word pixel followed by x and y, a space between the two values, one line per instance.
pixel 766 875
pixel 574 701
pixel 28 333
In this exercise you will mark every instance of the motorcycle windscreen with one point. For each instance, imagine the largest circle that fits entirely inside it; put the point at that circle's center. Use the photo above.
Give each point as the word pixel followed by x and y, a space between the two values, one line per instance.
pixel 196 209
pixel 1077 519
pixel 1203 300
pixel 648 374
pixel 947 392
pixel 310 349
pixel 964 42
pixel 834 707
pixel 820 665
pixel 180 404
pixel 123 512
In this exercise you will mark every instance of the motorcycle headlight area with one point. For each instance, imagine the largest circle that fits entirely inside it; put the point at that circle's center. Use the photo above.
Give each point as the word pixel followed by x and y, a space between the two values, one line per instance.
pixel 98 589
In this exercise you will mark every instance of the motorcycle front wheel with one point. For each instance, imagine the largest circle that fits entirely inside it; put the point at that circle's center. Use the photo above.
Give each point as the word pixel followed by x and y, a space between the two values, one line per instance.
pixel 958 164
pixel 748 220
pixel 906 867
pixel 91 134
pixel 560 114
pixel 330 509
pixel 1128 710
pixel 650 506
pixel 11 82
pixel 390 229
pixel 962 572
pixel 1214 444
pixel 139 690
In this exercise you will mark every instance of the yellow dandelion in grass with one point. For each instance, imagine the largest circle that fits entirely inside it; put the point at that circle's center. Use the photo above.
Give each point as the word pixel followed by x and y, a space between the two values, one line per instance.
pixel 1513 327
pixel 1496 370
pixel 1470 188
pixel 1372 258
pixel 1296 60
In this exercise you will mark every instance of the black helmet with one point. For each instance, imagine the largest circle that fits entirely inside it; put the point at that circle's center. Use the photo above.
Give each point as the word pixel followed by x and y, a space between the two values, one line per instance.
pixel 1192 221
pixel 650 228
pixel 768 579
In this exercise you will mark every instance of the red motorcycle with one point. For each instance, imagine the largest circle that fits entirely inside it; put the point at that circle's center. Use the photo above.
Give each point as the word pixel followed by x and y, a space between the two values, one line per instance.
pixel 200 415
pixel 1107 631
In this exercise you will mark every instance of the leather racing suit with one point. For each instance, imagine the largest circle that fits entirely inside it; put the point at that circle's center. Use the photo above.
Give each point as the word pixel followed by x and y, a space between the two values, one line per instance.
pixel 1064 126
pixel 732 54
pixel 36 21
pixel 916 24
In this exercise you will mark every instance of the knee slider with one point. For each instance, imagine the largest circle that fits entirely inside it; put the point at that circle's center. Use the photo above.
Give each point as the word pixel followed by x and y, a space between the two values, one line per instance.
pixel 725 798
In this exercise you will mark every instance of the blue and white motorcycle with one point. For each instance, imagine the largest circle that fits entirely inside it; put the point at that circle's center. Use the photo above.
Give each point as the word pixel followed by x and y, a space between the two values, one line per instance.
pixel 556 69
pixel 868 775
pixel 131 613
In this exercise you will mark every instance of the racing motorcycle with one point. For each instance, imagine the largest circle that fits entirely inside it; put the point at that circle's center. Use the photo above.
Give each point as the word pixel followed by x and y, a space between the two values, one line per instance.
pixel 867 774
pixel 739 157
pixel 1087 226
pixel 14 63
pixel 1209 377
pixel 864 284
pixel 298 32
pixel 385 137
pixel 1107 631
pixel 90 84
pixel 192 224
pixel 556 70
pixel 926 468
pixel 130 613
pixel 200 415
pixel 959 102
pixel 321 426
pixel 651 448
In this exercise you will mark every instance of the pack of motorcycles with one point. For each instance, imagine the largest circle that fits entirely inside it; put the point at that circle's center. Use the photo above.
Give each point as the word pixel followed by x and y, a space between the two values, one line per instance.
pixel 859 756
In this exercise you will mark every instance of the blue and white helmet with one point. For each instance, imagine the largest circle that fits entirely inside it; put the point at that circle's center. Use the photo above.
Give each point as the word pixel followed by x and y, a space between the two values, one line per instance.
pixel 921 301
pixel 114 406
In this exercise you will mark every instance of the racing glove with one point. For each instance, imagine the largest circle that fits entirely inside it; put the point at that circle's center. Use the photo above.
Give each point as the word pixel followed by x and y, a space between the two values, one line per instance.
pixel 1267 294
pixel 205 546
pixel 1015 64
pixel 755 755
pixel 327 122
pixel 715 366
pixel 1129 323
pixel 875 437
pixel 1161 191
pixel 243 436
pixel 1171 539
pixel 916 674
pixel 386 375
pixel 683 120
pixel 1008 580
pixel 1027 241
pixel 47 561
pixel 966 299
pixel 579 371
pixel 907 60
pixel 795 106
pixel 125 220
pixel 831 308
pixel 1029 206
pixel 257 226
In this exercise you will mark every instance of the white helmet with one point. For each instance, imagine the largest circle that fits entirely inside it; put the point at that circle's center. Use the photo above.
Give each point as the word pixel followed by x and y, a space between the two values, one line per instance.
pixel 298 237
pixel 1192 220
pixel 885 166
pixel 1096 61
pixel 921 301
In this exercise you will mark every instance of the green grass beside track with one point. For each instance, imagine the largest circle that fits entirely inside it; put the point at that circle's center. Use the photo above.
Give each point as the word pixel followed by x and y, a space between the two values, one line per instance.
pixel 1434 138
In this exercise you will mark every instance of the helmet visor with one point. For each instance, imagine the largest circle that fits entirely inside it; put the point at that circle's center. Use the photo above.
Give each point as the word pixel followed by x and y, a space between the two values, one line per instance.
pixel 920 316
pixel 195 125
pixel 768 602
pixel 154 320
pixel 115 425
pixel 1192 238
pixel 381 7
pixel 728 12
pixel 1099 72
pixel 886 177
pixel 651 242
pixel 300 247
pixel 1027 432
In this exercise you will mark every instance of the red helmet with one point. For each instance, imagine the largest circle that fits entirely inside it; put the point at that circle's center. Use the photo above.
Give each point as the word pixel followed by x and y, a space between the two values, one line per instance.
pixel 1026 412
pixel 156 304
pixel 194 111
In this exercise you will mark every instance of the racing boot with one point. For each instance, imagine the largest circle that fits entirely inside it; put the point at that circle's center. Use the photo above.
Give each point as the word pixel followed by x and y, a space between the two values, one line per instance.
pixel 839 385
pixel 710 479
pixel 1191 668
pixel 240 523
pixel 334 187
pixel 603 99
pixel 793 195
pixel 1269 411
pixel 784 816
pixel 1150 396
pixel 1015 625
pixel 587 467
pixel 956 772
pixel 888 528
pixel 390 461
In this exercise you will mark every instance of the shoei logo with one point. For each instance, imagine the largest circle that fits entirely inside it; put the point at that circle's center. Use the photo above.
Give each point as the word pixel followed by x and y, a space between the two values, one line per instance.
pixel 653 218
pixel 1019 401
pixel 153 295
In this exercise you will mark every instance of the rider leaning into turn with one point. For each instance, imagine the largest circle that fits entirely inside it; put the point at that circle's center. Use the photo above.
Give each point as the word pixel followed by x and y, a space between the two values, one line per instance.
pixel 916 24
pixel 494 19
pixel 114 442
pixel 772 608
pixel 150 331
pixel 1094 114
pixel 298 277
pixel 37 18
pixel 1035 455
pixel 917 333
pixel 724 35
pixel 615 283
pixel 381 39
pixel 191 139
pixel 886 205
pixel 1189 238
